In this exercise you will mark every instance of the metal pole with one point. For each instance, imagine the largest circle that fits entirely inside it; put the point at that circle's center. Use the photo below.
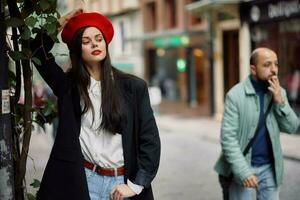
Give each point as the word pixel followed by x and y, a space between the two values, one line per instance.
pixel 211 33
pixel 6 159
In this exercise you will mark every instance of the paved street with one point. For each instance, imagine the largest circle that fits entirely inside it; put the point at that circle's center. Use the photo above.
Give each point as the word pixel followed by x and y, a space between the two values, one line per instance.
pixel 189 149
pixel 186 168
pixel 187 161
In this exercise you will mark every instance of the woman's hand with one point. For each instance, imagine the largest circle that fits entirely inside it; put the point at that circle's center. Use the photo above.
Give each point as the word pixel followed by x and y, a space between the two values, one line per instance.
pixel 119 192
pixel 64 19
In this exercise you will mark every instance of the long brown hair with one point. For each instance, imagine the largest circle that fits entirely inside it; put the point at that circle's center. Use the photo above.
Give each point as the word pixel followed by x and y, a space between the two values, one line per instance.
pixel 110 95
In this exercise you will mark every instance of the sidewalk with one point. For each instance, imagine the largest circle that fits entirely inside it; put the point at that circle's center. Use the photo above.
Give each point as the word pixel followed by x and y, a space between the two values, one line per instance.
pixel 209 129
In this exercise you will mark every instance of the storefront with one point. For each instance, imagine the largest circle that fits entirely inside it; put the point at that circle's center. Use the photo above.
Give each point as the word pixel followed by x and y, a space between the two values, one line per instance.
pixel 225 39
pixel 178 65
pixel 276 24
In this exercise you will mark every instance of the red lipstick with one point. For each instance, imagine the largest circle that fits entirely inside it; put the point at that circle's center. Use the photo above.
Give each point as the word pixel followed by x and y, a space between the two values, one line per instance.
pixel 96 52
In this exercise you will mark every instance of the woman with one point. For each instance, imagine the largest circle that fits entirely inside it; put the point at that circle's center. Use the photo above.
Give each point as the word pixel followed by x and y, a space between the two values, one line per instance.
pixel 107 144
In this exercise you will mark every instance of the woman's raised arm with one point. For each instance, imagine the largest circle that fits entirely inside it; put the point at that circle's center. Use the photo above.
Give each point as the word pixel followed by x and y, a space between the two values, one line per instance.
pixel 49 70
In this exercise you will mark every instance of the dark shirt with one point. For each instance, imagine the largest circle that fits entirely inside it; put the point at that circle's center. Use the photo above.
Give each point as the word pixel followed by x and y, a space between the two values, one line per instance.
pixel 261 147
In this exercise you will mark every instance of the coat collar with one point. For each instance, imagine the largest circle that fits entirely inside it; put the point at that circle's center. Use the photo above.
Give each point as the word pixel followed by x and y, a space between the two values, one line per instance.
pixel 249 89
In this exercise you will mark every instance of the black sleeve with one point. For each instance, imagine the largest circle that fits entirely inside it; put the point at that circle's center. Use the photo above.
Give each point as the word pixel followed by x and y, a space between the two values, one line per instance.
pixel 49 70
pixel 148 139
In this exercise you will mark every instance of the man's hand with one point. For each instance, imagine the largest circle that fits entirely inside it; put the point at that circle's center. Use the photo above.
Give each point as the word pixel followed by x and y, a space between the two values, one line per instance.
pixel 275 89
pixel 119 192
pixel 251 182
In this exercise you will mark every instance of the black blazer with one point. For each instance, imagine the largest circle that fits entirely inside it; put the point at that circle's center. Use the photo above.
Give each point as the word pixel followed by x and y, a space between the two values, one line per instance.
pixel 64 176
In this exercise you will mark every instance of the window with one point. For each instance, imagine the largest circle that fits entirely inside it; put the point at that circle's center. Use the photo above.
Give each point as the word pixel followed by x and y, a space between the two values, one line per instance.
pixel 150 17
pixel 194 19
pixel 171 21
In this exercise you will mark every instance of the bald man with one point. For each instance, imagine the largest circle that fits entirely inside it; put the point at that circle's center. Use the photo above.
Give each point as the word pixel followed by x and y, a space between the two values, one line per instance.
pixel 245 115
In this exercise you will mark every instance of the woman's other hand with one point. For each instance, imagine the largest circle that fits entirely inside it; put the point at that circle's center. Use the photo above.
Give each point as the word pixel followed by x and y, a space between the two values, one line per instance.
pixel 119 192
pixel 64 19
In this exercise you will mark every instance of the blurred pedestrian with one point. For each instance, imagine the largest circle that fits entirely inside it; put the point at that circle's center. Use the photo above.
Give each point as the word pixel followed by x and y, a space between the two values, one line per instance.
pixel 155 98
pixel 292 84
pixel 256 111
pixel 107 144
pixel 38 94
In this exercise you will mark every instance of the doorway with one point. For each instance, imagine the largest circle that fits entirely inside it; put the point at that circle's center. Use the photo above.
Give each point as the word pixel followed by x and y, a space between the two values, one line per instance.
pixel 230 59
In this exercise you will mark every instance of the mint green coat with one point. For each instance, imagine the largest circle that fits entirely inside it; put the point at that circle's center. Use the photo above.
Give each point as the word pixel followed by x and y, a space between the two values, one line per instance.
pixel 240 118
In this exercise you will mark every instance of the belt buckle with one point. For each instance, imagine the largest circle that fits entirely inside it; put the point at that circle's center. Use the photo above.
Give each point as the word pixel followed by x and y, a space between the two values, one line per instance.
pixel 94 168
pixel 116 172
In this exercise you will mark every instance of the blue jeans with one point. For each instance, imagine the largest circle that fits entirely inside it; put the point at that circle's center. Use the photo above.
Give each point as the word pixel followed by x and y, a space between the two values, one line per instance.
pixel 101 186
pixel 267 188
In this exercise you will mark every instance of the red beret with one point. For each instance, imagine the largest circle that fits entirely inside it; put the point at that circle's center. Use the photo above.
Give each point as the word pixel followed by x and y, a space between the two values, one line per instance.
pixel 84 20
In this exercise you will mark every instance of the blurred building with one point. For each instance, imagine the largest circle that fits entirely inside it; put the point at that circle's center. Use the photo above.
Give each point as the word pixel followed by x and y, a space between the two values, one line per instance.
pixel 177 53
pixel 162 42
pixel 126 52
pixel 239 26
pixel 196 50
pixel 226 37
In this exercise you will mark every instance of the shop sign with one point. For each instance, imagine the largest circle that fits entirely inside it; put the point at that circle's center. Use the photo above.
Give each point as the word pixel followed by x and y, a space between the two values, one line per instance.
pixel 283 9
pixel 172 41
pixel 262 11
pixel 181 65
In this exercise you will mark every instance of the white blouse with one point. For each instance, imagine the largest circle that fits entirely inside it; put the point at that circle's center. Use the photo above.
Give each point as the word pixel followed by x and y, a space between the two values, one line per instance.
pixel 100 146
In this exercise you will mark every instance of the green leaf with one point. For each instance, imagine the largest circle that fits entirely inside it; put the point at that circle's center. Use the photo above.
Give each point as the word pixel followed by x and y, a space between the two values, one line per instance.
pixel 38 10
pixel 11 78
pixel 30 196
pixel 36 183
pixel 26 34
pixel 46 111
pixel 57 15
pixel 14 22
pixel 53 1
pixel 44 5
pixel 54 38
pixel 51 28
pixel 36 30
pixel 11 75
pixel 51 19
pixel 36 61
pixel 49 108
pixel 17 55
pixel 31 21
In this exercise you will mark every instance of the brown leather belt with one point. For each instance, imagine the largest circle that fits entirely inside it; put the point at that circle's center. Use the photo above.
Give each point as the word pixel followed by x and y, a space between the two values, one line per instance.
pixel 104 171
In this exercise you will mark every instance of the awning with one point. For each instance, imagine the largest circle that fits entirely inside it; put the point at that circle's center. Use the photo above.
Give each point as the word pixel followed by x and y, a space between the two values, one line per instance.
pixel 205 5
pixel 165 34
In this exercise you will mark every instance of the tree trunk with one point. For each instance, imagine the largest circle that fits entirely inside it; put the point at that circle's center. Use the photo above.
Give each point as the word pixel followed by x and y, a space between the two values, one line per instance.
pixel 27 77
